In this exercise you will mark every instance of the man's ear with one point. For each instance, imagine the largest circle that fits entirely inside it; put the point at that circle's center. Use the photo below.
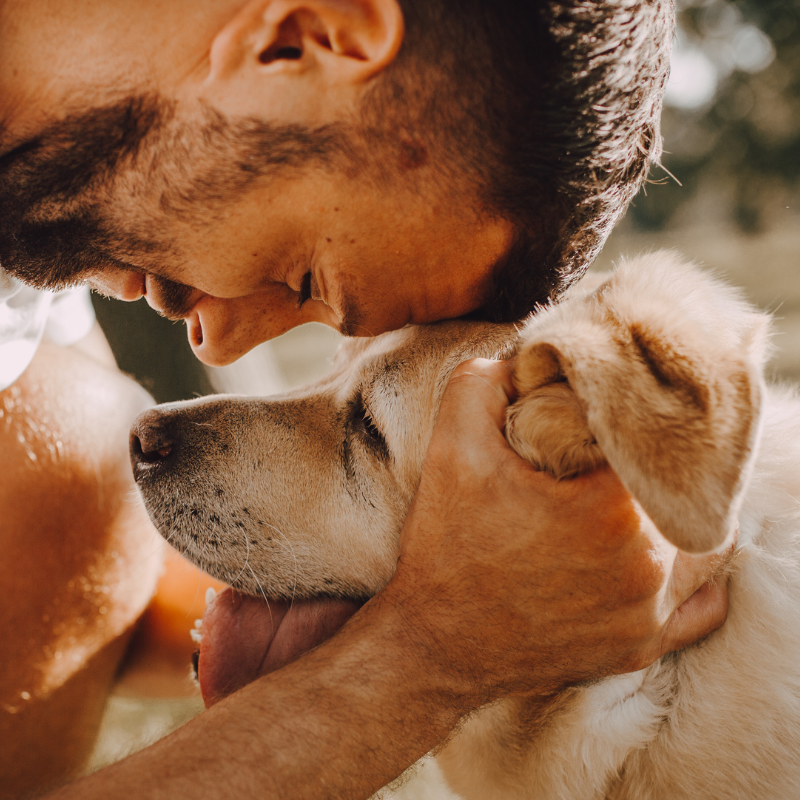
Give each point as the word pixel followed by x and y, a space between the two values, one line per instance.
pixel 346 42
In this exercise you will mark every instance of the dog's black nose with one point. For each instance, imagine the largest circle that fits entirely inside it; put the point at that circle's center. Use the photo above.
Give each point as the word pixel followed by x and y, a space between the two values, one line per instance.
pixel 154 440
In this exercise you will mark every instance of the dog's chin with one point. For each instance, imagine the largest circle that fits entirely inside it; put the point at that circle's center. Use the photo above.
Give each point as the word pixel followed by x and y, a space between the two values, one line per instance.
pixel 245 637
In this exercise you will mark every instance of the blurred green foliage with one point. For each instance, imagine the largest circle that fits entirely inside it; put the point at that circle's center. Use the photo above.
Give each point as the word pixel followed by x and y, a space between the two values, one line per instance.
pixel 739 145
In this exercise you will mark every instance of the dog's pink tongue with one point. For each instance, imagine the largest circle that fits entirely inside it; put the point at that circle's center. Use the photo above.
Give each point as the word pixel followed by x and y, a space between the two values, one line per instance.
pixel 245 637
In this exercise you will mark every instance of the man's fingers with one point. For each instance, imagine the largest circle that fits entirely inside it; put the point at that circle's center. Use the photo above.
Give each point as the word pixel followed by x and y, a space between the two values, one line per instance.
pixel 704 612
pixel 699 589
pixel 600 528
pixel 692 571
pixel 478 388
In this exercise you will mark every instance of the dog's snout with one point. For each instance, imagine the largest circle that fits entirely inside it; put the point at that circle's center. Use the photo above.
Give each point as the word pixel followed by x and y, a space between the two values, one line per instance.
pixel 154 440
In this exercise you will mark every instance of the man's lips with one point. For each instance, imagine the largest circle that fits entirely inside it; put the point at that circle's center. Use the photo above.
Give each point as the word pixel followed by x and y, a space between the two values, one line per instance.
pixel 245 637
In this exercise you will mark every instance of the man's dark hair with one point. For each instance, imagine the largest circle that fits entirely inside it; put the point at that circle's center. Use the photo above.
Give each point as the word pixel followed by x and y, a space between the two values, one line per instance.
pixel 553 106
pixel 550 109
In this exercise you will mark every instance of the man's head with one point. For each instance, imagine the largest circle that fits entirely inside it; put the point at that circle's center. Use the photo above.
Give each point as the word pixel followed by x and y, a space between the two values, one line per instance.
pixel 366 163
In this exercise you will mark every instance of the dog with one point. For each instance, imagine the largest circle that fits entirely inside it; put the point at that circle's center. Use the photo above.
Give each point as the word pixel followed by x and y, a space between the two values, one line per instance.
pixel 656 370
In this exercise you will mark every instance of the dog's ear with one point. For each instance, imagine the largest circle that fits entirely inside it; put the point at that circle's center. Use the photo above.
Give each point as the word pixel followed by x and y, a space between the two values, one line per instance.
pixel 663 362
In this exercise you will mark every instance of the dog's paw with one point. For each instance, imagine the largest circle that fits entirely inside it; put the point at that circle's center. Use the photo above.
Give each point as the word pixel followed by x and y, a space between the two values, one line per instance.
pixel 547 426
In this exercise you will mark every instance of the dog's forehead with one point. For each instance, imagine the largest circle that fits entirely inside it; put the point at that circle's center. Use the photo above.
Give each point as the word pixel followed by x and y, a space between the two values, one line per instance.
pixel 417 344
pixel 388 348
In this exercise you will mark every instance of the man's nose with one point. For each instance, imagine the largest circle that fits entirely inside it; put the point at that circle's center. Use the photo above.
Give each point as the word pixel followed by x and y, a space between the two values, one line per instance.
pixel 223 329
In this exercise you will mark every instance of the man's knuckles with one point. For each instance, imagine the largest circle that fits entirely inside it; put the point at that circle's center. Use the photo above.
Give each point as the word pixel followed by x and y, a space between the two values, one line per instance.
pixel 479 386
pixel 497 374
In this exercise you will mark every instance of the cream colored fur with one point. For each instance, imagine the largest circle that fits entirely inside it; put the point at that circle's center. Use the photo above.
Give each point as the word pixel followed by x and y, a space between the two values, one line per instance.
pixel 652 372
pixel 657 370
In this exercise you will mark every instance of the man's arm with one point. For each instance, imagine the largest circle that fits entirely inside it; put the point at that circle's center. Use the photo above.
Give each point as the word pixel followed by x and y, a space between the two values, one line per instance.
pixel 507 582
pixel 79 560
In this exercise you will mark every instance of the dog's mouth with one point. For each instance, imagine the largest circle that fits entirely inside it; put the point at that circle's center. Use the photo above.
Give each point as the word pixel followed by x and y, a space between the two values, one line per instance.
pixel 245 637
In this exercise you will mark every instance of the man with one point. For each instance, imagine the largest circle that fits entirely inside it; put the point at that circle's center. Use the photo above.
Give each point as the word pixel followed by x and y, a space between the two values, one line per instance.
pixel 249 167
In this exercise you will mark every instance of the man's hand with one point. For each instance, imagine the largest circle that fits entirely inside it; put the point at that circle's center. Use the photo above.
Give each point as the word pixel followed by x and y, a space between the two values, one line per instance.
pixel 520 583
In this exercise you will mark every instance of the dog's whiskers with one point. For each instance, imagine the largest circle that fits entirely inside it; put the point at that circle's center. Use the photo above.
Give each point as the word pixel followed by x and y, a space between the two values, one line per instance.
pixel 294 556
pixel 246 561
pixel 263 594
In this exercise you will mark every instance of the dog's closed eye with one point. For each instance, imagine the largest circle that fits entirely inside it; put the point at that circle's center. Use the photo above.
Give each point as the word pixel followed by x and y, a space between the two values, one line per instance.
pixel 363 423
pixel 371 428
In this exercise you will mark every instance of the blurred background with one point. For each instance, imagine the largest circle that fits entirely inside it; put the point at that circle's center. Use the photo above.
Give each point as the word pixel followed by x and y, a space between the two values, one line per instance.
pixel 729 194
pixel 728 197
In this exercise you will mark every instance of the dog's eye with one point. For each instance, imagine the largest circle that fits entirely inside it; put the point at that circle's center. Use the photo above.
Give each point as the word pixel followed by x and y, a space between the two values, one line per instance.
pixel 371 428
pixel 363 422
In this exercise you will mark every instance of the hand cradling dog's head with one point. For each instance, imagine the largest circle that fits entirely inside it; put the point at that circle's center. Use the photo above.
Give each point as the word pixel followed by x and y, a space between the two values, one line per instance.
pixel 297 501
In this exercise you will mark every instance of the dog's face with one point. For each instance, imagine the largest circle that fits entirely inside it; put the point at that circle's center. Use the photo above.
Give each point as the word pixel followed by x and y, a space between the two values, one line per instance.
pixel 300 498
pixel 304 494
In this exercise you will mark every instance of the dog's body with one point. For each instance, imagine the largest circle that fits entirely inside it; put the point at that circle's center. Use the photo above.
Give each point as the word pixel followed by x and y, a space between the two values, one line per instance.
pixel 657 371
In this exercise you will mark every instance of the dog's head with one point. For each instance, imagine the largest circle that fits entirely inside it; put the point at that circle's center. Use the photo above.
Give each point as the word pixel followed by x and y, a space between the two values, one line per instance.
pixel 301 497
pixel 304 494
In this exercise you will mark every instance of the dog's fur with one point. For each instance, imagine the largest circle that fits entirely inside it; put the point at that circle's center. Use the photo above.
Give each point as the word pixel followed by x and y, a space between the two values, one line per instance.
pixel 657 370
